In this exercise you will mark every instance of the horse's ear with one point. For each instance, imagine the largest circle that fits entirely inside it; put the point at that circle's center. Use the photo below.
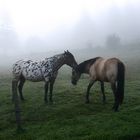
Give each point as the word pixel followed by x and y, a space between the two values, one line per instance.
pixel 65 53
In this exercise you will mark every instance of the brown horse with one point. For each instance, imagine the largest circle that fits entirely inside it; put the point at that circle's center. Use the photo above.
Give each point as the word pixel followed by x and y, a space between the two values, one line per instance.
pixel 104 70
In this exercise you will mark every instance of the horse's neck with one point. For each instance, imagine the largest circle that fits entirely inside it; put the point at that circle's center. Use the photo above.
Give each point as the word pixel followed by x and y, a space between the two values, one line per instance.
pixel 57 62
pixel 87 68
pixel 84 68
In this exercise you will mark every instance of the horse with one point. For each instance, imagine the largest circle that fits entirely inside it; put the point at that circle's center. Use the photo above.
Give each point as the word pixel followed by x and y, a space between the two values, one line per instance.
pixel 45 70
pixel 110 70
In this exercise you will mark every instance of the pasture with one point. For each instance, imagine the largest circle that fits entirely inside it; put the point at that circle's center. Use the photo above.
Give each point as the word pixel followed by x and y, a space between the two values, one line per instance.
pixel 69 118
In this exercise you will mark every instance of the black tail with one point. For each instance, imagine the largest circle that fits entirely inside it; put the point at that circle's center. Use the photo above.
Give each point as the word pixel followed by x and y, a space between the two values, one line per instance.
pixel 120 82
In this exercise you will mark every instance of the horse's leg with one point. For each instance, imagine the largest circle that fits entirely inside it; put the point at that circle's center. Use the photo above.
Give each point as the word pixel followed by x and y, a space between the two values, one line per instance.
pixel 102 90
pixel 116 102
pixel 88 89
pixel 51 89
pixel 20 86
pixel 14 88
pixel 46 92
pixel 16 102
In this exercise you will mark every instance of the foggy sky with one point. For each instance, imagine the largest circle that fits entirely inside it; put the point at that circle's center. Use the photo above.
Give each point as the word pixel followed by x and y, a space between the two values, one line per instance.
pixel 31 26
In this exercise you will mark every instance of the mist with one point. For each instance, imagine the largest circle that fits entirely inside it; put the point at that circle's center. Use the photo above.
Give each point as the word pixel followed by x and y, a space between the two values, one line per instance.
pixel 34 30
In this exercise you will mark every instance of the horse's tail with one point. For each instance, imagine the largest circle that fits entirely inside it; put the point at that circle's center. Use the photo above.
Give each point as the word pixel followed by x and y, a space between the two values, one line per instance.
pixel 120 82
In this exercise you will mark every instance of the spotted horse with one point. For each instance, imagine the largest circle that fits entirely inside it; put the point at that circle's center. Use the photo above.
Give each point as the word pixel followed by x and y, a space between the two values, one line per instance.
pixel 45 70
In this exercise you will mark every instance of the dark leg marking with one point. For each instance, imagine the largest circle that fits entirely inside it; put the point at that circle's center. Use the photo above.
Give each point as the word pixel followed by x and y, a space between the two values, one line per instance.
pixel 16 102
pixel 51 89
pixel 88 89
pixel 46 92
pixel 116 101
pixel 20 87
pixel 102 90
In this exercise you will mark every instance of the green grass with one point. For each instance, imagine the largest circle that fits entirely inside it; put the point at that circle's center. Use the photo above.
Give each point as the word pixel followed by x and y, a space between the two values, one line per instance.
pixel 69 118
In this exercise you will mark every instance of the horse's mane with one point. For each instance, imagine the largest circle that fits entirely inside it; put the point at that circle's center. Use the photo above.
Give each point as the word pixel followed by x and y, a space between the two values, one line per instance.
pixel 61 54
pixel 82 66
pixel 56 55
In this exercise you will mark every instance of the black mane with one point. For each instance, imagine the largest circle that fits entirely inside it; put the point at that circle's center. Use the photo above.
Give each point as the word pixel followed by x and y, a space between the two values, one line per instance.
pixel 82 66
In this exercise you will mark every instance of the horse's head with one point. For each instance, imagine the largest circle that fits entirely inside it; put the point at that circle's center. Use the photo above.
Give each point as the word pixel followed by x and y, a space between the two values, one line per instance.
pixel 75 75
pixel 70 60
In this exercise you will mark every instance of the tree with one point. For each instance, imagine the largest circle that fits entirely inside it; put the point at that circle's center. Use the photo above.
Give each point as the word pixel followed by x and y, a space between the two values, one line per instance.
pixel 113 41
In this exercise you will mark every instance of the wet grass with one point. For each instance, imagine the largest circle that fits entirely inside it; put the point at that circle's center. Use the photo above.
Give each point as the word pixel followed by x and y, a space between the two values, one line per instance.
pixel 69 118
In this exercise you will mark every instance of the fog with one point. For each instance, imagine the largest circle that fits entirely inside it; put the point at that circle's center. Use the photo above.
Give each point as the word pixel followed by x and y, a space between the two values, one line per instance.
pixel 41 28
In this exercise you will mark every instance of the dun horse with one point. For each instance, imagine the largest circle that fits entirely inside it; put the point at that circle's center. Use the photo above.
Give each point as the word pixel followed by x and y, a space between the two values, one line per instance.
pixel 45 70
pixel 104 70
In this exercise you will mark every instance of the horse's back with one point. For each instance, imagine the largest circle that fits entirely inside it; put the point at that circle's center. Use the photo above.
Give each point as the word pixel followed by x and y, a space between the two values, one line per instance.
pixel 111 69
pixel 96 69
pixel 28 69
pixel 100 68
pixel 105 69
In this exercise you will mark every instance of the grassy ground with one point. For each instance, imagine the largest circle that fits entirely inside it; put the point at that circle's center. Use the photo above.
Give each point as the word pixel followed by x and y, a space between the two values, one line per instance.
pixel 69 118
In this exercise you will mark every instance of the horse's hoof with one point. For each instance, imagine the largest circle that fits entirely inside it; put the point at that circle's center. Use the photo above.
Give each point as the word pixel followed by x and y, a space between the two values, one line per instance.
pixel 113 107
pixel 46 102
pixel 51 102
pixel 116 110
pixel 22 99
pixel 104 102
pixel 20 130
pixel 87 102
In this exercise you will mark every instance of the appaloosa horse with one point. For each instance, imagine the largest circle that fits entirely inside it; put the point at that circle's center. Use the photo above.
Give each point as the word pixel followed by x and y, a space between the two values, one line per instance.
pixel 45 70
pixel 104 70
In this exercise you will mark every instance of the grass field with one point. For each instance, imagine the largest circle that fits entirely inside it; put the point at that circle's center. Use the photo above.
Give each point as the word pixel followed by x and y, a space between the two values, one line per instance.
pixel 69 118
